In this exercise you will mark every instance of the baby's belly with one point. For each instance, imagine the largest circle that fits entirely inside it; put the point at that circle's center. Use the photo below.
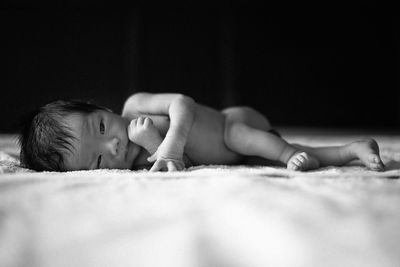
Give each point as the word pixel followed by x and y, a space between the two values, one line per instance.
pixel 205 144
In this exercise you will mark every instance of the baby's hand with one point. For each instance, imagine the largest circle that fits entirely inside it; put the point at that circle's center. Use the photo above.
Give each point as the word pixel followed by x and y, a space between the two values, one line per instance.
pixel 143 132
pixel 167 158
pixel 166 164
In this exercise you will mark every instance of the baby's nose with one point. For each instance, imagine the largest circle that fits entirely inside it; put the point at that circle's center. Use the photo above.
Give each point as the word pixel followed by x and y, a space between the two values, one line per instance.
pixel 112 146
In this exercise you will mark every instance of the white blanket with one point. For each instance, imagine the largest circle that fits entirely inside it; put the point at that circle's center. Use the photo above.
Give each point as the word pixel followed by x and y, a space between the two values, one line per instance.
pixel 206 216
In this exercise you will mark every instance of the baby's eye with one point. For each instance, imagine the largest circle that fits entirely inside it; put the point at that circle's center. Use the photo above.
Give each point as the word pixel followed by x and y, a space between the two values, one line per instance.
pixel 102 127
pixel 98 162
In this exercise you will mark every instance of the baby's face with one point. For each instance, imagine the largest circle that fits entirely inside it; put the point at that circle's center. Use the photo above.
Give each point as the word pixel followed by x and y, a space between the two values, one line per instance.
pixel 101 142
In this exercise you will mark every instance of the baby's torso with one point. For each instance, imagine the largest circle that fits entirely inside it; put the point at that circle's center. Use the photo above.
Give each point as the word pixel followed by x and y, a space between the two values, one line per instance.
pixel 205 143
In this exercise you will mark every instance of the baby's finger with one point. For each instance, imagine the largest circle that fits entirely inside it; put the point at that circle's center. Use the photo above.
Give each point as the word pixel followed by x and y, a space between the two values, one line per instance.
pixel 157 166
pixel 147 122
pixel 152 158
pixel 131 128
pixel 133 122
pixel 140 120
pixel 171 166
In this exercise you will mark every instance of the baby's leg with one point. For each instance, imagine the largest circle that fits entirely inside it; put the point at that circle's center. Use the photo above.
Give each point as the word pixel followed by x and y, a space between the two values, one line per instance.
pixel 247 133
pixel 365 150
pixel 248 116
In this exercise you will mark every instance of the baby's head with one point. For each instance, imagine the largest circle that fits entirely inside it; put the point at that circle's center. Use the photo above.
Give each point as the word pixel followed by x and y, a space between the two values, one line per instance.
pixel 73 135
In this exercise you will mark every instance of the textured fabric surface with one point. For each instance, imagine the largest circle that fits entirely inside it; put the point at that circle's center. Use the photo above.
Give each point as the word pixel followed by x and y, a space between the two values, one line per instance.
pixel 205 216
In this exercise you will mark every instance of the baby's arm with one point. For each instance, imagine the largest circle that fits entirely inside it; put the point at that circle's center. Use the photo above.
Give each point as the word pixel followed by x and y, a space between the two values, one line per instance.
pixel 144 133
pixel 181 112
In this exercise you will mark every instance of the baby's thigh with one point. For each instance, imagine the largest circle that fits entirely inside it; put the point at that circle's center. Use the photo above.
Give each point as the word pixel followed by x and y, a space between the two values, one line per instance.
pixel 248 116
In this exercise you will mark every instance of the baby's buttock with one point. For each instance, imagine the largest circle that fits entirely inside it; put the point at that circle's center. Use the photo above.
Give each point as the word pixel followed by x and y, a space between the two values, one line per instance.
pixel 205 144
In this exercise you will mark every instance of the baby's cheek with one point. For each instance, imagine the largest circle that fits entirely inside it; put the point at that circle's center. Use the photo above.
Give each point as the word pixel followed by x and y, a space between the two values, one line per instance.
pixel 133 152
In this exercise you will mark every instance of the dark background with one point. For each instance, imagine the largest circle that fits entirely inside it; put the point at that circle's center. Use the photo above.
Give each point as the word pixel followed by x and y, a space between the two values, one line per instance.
pixel 331 64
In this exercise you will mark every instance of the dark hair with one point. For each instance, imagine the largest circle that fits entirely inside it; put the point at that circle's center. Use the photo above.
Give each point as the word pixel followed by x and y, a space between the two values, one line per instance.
pixel 44 136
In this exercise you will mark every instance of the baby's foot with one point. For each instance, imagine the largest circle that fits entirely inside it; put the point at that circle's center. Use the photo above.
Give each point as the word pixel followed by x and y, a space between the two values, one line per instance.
pixel 301 161
pixel 143 132
pixel 368 152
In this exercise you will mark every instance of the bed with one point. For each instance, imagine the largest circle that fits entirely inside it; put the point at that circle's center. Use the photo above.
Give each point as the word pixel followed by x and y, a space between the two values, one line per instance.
pixel 230 216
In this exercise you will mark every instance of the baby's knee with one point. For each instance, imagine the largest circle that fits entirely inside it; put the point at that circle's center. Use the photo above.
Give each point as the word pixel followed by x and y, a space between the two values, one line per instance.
pixel 248 116
pixel 234 133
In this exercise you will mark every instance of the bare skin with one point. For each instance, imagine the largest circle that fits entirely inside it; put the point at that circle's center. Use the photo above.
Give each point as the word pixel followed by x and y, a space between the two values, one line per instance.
pixel 258 141
pixel 367 151
pixel 144 133
pixel 169 132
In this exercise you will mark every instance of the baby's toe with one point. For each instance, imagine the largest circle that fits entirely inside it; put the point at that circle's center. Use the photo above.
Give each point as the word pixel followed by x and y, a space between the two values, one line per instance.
pixel 376 167
pixel 292 166
pixel 302 157
pixel 375 163
pixel 297 162
pixel 373 158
